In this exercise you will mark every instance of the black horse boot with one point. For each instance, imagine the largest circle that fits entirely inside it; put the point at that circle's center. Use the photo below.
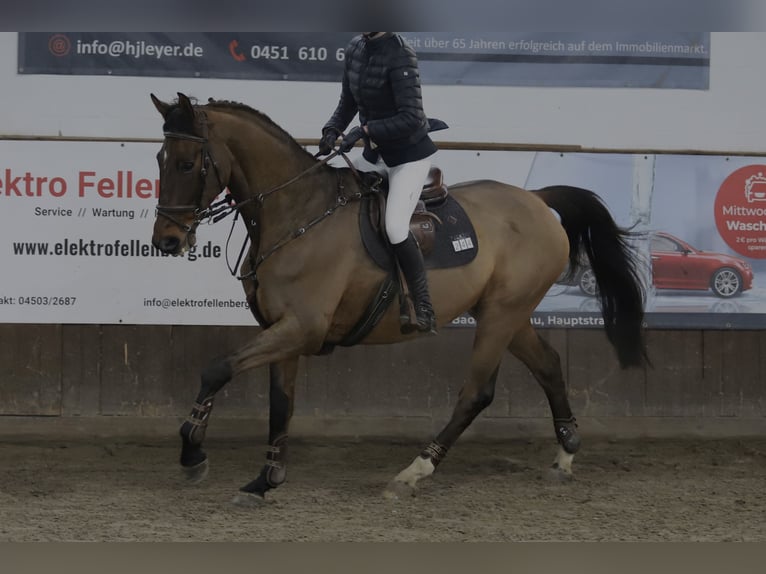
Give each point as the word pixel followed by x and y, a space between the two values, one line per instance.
pixel 411 262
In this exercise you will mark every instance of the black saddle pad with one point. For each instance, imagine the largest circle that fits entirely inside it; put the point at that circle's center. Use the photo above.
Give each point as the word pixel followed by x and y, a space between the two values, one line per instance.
pixel 455 243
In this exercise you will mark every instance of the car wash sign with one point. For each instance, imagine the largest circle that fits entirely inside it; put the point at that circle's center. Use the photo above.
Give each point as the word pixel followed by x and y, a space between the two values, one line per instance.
pixel 740 211
pixel 594 59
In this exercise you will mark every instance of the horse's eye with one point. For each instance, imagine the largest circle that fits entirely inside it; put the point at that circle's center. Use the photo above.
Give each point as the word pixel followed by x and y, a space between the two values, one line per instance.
pixel 186 166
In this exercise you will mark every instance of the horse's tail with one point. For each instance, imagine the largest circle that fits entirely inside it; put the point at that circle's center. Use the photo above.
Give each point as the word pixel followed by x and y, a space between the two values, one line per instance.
pixel 591 228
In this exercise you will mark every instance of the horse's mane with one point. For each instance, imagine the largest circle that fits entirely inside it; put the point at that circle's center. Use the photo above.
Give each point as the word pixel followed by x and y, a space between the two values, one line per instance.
pixel 175 121
pixel 262 119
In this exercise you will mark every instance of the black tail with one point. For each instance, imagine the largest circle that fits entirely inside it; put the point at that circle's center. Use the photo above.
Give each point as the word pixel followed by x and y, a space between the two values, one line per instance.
pixel 591 228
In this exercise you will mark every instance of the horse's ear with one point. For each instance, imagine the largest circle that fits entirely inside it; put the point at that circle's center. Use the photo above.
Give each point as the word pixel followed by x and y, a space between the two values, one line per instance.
pixel 161 106
pixel 185 103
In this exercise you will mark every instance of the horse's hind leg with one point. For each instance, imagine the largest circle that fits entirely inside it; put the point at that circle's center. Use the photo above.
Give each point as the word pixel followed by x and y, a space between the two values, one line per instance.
pixel 281 399
pixel 491 340
pixel 545 364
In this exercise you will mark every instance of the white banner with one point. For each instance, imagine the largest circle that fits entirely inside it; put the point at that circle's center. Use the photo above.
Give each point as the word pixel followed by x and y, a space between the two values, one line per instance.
pixel 76 222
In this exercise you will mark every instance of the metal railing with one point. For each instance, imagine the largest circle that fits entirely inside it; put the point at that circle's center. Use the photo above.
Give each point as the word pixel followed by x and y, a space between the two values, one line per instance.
pixel 445 145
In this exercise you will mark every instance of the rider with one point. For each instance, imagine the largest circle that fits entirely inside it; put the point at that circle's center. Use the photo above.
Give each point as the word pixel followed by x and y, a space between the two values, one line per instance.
pixel 381 82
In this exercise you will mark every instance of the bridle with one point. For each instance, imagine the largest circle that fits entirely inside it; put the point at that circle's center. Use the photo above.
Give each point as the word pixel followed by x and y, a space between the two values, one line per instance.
pixel 200 214
pixel 221 209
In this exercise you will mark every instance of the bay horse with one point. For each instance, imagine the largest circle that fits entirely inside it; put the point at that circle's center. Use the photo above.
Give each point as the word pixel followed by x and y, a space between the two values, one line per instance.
pixel 309 280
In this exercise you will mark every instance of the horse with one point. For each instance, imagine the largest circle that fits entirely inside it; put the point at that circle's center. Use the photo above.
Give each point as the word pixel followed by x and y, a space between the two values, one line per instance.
pixel 309 280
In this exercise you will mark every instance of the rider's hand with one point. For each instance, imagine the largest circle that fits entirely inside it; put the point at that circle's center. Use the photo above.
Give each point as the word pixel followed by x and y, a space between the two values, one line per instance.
pixel 327 143
pixel 350 139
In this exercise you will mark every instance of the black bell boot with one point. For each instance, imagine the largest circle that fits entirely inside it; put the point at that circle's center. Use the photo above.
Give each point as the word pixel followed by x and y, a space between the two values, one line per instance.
pixel 411 262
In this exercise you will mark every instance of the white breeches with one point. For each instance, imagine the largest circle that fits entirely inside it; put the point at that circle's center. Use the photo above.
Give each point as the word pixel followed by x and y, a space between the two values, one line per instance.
pixel 405 182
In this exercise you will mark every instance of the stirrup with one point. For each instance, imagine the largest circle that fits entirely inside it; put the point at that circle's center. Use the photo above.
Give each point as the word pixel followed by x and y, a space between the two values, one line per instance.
pixel 425 320
pixel 429 328
pixel 407 324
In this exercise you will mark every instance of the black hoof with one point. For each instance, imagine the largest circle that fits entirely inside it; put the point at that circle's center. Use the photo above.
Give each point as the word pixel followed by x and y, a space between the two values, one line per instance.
pixel 192 455
pixel 197 473
pixel 261 485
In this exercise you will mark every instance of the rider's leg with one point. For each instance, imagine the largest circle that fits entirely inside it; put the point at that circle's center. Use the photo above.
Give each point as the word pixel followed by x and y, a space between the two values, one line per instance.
pixel 405 182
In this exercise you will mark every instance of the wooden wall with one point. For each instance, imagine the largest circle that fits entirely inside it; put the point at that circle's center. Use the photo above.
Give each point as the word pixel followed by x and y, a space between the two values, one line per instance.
pixel 152 372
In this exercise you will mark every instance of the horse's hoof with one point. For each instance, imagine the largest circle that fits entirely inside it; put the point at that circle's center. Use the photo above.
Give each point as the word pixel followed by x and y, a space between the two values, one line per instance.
pixel 397 489
pixel 197 473
pixel 248 500
pixel 557 474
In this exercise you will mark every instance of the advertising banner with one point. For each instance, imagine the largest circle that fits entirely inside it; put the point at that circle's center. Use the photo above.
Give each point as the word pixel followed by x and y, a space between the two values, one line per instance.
pixel 593 59
pixel 76 221
pixel 701 230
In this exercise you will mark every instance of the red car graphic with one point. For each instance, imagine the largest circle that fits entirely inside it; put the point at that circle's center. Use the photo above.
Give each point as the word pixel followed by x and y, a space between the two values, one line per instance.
pixel 678 265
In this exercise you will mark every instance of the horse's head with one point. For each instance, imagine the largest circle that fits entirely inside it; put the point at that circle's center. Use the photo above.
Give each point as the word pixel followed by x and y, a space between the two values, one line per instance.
pixel 190 176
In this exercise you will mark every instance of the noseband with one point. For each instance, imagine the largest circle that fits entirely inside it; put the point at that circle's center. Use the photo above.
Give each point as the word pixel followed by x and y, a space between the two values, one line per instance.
pixel 200 213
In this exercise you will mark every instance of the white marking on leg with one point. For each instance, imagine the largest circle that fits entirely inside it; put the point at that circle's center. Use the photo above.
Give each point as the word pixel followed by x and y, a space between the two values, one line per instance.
pixel 420 468
pixel 563 461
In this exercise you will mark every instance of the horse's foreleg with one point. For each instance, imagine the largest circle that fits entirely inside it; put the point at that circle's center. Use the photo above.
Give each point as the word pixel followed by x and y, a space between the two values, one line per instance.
pixel 545 364
pixel 281 394
pixel 280 342
pixel 193 458
pixel 474 397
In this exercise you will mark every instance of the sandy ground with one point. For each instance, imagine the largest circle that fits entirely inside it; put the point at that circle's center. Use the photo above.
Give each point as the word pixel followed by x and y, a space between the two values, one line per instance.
pixel 649 490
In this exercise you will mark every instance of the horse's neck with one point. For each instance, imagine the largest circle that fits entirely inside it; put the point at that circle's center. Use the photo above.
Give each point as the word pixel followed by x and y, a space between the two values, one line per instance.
pixel 271 167
pixel 267 166
pixel 285 186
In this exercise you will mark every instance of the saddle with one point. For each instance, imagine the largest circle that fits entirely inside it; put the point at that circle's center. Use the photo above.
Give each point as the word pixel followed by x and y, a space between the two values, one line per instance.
pixel 423 222
pixel 442 228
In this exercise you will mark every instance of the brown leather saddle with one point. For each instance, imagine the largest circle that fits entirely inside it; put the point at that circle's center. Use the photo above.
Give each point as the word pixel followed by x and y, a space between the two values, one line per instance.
pixel 442 228
pixel 423 222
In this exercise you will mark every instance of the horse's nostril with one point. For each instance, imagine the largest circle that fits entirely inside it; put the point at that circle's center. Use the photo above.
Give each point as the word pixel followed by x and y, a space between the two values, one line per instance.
pixel 169 244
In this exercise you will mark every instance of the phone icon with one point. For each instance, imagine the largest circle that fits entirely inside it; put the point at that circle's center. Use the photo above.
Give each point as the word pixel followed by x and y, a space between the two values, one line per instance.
pixel 234 51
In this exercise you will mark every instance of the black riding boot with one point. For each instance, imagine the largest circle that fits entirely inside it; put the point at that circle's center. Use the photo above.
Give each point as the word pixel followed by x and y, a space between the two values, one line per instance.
pixel 411 262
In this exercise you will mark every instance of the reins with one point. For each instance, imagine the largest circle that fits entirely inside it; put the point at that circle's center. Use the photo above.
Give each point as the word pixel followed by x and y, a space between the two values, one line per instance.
pixel 224 207
pixel 340 200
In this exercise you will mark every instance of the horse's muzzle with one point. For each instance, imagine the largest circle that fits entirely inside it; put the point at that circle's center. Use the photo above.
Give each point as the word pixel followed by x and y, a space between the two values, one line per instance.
pixel 169 244
pixel 171 240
